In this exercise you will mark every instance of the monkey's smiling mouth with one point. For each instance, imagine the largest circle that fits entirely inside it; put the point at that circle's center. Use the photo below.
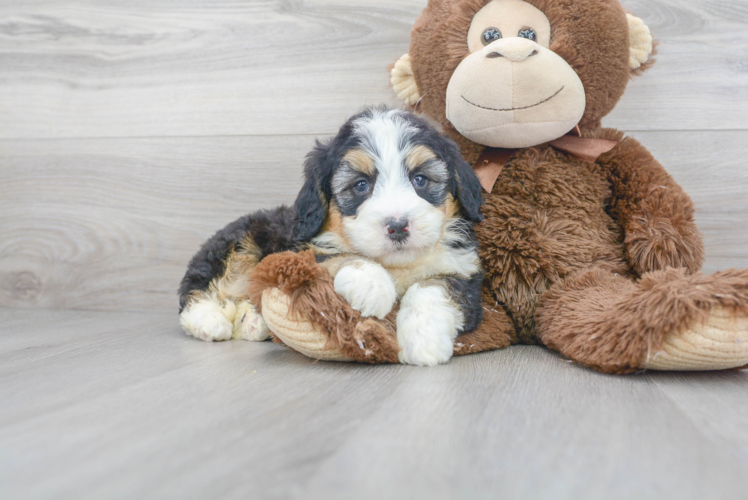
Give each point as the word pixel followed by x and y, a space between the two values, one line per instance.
pixel 515 109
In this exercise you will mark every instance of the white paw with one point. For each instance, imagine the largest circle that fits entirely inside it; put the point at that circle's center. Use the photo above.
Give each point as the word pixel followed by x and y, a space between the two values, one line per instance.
pixel 248 323
pixel 367 287
pixel 427 325
pixel 208 320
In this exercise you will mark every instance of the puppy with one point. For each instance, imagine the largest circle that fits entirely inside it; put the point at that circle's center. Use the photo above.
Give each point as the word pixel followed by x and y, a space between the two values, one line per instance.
pixel 388 207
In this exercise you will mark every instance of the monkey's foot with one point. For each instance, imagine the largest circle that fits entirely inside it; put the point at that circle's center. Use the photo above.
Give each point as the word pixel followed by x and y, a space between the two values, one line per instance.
pixel 718 343
pixel 299 335
pixel 302 310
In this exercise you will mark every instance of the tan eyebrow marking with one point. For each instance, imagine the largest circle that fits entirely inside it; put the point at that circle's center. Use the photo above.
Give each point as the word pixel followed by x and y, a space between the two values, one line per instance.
pixel 359 160
pixel 418 156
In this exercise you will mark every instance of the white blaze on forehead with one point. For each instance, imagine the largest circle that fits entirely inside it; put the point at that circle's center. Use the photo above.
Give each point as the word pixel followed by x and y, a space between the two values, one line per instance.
pixel 385 136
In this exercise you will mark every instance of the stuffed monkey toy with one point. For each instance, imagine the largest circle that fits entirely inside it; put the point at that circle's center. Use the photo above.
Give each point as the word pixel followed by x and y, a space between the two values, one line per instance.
pixel 588 245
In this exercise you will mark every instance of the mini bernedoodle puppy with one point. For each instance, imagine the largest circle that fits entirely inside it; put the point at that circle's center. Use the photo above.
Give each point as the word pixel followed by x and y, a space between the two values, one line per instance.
pixel 388 207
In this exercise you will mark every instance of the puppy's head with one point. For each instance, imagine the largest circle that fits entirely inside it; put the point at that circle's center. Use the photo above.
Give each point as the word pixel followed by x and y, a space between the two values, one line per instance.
pixel 388 186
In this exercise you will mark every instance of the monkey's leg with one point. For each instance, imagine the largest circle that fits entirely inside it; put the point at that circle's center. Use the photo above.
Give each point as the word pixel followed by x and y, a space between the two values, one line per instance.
pixel 302 309
pixel 496 331
pixel 665 321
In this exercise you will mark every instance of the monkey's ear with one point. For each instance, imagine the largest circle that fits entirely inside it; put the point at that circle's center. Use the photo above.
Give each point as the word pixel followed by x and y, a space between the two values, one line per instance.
pixel 404 82
pixel 311 204
pixel 641 43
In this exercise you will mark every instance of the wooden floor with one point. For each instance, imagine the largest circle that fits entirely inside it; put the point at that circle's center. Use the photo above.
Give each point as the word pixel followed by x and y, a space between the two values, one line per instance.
pixel 131 130
pixel 122 405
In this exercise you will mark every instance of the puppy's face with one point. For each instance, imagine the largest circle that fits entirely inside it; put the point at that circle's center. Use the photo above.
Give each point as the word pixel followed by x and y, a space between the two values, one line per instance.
pixel 391 183
pixel 390 191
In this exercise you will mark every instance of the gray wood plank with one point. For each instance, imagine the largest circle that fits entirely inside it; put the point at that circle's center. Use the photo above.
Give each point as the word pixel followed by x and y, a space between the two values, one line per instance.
pixel 197 68
pixel 538 428
pixel 700 80
pixel 719 411
pixel 145 412
pixel 111 223
pixel 123 69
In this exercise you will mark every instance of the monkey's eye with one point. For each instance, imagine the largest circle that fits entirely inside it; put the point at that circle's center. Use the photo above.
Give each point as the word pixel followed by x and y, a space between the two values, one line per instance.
pixel 490 35
pixel 419 181
pixel 361 187
pixel 528 33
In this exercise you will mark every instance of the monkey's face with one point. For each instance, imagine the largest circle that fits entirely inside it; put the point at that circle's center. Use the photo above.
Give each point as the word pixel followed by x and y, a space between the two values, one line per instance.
pixel 513 91
pixel 513 73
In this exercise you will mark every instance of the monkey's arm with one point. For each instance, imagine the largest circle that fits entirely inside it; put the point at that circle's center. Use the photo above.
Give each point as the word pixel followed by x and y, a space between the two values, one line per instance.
pixel 656 215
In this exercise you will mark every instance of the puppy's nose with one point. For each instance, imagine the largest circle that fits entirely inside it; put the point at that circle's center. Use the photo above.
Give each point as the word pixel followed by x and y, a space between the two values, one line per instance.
pixel 397 230
pixel 515 49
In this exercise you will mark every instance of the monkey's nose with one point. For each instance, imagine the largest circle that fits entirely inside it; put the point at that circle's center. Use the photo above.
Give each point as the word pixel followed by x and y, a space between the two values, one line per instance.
pixel 515 49
pixel 397 230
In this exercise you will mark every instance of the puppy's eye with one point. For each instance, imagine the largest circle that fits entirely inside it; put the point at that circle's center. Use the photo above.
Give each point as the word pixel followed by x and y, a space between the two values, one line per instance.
pixel 490 35
pixel 361 187
pixel 528 33
pixel 419 181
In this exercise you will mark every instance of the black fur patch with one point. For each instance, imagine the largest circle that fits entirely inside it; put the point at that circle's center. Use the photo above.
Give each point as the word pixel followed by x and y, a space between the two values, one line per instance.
pixel 311 203
pixel 470 241
pixel 467 294
pixel 271 230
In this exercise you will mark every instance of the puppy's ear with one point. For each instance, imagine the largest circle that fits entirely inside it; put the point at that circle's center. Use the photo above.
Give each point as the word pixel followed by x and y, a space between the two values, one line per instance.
pixel 312 203
pixel 466 187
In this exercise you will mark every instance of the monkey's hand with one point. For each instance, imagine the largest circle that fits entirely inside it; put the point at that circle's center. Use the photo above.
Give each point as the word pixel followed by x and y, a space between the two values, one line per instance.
pixel 656 215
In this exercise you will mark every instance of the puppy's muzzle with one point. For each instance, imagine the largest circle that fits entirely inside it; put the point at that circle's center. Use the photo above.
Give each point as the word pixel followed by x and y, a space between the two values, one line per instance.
pixel 397 230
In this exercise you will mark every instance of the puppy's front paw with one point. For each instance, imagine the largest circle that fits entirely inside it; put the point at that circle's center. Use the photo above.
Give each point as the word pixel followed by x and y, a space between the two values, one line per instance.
pixel 367 287
pixel 427 325
pixel 248 323
pixel 207 320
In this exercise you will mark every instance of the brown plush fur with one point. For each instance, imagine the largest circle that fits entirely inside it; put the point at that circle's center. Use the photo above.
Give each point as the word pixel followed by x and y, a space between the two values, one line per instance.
pixel 654 211
pixel 495 332
pixel 614 325
pixel 313 298
pixel 545 219
pixel 550 214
